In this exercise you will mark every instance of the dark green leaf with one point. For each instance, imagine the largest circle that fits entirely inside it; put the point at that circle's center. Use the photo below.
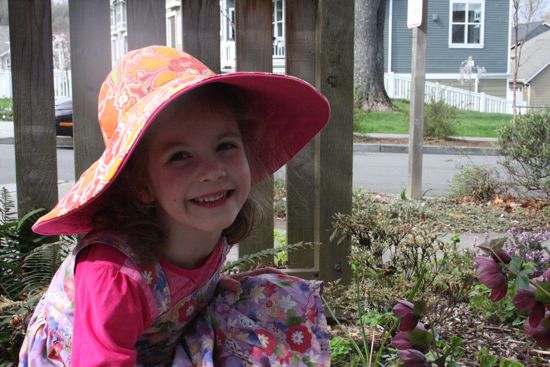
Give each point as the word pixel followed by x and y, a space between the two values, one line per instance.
pixel 515 264
pixel 496 244
pixel 542 294
pixel 522 279
pixel 508 363
pixel 420 339
pixel 419 309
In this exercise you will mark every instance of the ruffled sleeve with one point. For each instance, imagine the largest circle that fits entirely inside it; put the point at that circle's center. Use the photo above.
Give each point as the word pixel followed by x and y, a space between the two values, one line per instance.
pixel 111 310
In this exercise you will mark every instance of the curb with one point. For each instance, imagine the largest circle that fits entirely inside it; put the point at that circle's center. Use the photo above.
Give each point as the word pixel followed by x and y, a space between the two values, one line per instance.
pixel 427 149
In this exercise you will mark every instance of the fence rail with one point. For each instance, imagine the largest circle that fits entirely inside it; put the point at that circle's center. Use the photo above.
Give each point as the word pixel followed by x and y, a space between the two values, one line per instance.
pixel 399 86
pixel 61 79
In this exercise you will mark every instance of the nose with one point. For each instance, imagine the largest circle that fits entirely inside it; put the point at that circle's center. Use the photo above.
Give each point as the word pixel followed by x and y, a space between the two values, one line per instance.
pixel 211 170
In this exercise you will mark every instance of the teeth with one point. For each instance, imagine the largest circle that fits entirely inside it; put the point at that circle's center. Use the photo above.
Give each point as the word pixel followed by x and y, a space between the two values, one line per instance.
pixel 211 199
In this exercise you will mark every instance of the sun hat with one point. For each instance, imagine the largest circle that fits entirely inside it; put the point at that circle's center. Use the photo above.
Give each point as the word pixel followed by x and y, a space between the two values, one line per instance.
pixel 291 112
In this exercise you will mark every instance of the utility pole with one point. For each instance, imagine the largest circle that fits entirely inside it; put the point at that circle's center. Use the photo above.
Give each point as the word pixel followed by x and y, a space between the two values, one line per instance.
pixel 417 20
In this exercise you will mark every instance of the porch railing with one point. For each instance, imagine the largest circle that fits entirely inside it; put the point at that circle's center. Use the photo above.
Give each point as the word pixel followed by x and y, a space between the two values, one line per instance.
pixel 62 83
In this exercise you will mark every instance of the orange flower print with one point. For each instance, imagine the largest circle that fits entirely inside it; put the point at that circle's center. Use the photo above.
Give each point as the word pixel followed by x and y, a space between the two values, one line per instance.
pixel 299 338
pixel 165 64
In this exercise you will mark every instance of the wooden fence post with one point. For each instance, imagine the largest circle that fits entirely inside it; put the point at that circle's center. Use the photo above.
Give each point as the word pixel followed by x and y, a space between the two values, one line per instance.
pixel 33 103
pixel 90 64
pixel 254 53
pixel 201 31
pixel 146 23
pixel 334 77
pixel 300 22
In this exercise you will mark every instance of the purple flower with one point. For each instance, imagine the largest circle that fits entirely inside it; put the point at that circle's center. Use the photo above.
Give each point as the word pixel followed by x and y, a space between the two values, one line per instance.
pixel 404 309
pixel 540 333
pixel 525 302
pixel 412 358
pixel 400 341
pixel 501 256
pixel 490 273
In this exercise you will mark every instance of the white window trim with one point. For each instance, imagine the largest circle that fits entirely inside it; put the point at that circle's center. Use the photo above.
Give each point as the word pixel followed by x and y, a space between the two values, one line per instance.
pixel 482 32
pixel 281 21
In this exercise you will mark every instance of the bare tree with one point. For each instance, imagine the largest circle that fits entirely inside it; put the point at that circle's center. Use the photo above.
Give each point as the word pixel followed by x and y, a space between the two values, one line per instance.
pixel 370 93
pixel 3 12
pixel 523 12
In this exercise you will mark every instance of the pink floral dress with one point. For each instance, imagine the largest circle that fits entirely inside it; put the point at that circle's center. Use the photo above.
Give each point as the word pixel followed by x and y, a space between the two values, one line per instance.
pixel 275 320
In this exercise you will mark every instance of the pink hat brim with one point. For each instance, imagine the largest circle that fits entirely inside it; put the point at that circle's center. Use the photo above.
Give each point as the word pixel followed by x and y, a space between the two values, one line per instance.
pixel 291 112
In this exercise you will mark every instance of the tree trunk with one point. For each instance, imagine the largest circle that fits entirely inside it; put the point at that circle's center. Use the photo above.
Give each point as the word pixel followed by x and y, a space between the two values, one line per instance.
pixel 370 93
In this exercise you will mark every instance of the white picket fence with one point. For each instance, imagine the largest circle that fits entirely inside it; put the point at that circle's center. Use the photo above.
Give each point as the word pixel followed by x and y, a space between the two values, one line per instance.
pixel 398 86
pixel 62 83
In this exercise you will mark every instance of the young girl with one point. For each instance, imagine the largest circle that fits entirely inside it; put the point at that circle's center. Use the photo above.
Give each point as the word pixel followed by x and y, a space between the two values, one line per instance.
pixel 161 208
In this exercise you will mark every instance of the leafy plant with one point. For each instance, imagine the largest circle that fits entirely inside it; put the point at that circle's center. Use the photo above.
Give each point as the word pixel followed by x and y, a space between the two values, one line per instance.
pixel 395 255
pixel 27 263
pixel 502 312
pixel 478 183
pixel 500 272
pixel 252 261
pixel 281 258
pixel 440 119
pixel 525 145
pixel 529 246
pixel 339 349
pixel 6 110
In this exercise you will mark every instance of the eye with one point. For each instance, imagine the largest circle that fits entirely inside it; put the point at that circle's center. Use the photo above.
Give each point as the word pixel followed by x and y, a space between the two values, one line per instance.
pixel 178 156
pixel 226 146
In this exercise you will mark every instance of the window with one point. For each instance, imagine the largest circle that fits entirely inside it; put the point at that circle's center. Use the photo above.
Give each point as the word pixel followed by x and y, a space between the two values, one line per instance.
pixel 278 19
pixel 171 30
pixel 231 24
pixel 466 23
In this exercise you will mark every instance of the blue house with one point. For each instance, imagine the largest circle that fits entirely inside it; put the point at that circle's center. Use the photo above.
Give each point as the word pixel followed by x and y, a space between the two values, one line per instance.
pixel 467 43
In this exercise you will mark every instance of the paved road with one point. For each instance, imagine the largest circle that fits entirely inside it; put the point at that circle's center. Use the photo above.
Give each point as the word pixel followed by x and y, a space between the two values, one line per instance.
pixel 377 172
pixel 387 172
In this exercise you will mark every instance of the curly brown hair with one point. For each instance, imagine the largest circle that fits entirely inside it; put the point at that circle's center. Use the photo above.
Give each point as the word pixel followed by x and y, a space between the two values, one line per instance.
pixel 123 212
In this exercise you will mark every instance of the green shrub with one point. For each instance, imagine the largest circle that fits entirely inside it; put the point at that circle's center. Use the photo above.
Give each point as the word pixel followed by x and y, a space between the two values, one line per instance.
pixel 392 245
pixel 6 111
pixel 477 183
pixel 440 120
pixel 501 312
pixel 525 145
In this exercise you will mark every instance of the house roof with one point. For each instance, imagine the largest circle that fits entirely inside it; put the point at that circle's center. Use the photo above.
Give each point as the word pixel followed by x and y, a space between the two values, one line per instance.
pixel 528 31
pixel 535 57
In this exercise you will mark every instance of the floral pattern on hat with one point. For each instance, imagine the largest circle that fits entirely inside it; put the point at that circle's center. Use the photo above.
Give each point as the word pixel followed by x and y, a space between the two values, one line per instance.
pixel 148 79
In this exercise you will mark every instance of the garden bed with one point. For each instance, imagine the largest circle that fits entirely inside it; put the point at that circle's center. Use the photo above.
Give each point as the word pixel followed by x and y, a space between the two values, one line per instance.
pixel 491 329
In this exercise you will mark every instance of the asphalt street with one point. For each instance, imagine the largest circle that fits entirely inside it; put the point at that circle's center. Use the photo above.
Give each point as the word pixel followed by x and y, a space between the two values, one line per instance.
pixel 376 172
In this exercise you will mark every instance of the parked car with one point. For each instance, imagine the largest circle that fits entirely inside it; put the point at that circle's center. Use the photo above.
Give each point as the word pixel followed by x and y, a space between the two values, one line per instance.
pixel 64 116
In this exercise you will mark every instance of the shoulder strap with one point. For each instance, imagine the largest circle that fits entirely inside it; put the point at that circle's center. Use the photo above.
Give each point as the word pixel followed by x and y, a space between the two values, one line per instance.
pixel 150 276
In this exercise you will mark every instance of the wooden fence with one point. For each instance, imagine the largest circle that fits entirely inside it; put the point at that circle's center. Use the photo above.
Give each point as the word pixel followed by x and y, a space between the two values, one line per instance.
pixel 319 49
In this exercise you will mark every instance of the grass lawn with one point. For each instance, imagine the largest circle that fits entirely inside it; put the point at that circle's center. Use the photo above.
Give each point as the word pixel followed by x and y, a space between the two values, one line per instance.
pixel 397 122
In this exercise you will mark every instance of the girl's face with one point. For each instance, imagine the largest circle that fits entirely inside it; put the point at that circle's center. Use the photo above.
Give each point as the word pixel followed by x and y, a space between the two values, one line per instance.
pixel 197 168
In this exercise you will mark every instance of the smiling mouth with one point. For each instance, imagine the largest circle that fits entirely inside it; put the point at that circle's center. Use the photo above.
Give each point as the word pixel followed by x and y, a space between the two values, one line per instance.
pixel 214 199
